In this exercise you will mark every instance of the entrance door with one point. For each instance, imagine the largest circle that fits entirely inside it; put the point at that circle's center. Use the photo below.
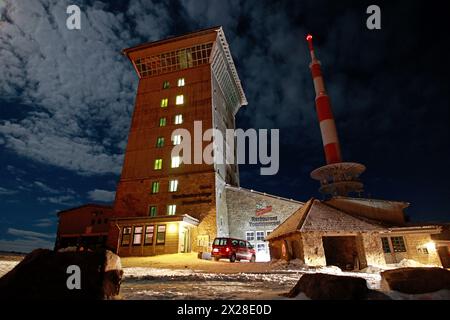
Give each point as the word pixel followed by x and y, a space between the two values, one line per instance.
pixel 185 240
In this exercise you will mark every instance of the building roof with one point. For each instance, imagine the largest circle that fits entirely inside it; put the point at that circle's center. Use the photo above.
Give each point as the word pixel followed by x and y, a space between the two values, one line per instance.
pixel 318 216
pixel 93 205
pixel 230 187
pixel 223 42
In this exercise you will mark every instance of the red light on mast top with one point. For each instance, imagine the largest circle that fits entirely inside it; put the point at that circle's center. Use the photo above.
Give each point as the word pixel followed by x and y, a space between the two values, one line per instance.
pixel 309 39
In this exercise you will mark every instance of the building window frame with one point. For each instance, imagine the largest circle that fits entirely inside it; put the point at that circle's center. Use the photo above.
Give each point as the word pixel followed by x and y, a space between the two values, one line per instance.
pixel 162 121
pixel 176 139
pixel 126 234
pixel 152 211
pixel 181 82
pixel 385 244
pixel 148 240
pixel 250 235
pixel 164 102
pixel 160 142
pixel 398 244
pixel 166 84
pixel 259 235
pixel 155 187
pixel 139 234
pixel 171 209
pixel 158 164
pixel 173 185
pixel 176 162
pixel 179 100
pixel 161 230
pixel 178 119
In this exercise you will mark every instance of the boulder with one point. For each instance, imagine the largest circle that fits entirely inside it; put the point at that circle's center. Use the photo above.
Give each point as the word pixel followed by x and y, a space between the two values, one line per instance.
pixel 43 274
pixel 321 286
pixel 415 280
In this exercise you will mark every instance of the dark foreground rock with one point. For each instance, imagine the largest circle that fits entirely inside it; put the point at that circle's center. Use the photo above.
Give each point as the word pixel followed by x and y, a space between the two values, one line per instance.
pixel 320 286
pixel 416 280
pixel 42 274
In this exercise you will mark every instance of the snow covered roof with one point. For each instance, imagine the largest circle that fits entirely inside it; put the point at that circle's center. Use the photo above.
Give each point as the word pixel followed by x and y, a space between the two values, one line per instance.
pixel 228 186
pixel 318 216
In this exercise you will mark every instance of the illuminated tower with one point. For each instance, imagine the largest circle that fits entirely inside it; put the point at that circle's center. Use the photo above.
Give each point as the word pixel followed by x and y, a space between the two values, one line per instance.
pixel 336 177
pixel 181 80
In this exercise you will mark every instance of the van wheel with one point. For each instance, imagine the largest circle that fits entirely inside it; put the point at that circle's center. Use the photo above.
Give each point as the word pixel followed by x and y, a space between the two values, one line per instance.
pixel 253 258
pixel 233 258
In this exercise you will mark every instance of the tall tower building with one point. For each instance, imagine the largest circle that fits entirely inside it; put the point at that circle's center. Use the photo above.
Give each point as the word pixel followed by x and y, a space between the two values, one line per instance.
pixel 337 178
pixel 182 81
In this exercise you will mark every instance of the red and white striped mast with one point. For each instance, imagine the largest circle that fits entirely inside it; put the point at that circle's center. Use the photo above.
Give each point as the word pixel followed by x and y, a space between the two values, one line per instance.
pixel 337 178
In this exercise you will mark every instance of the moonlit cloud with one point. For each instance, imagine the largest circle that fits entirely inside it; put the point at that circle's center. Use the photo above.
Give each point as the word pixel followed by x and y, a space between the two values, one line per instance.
pixel 101 195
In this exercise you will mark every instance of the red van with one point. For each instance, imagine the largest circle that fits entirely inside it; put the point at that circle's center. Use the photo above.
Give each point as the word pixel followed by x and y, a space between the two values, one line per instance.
pixel 233 249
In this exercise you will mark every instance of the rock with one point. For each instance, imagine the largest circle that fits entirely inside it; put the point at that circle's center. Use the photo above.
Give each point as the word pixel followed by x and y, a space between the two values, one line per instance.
pixel 321 286
pixel 42 274
pixel 415 280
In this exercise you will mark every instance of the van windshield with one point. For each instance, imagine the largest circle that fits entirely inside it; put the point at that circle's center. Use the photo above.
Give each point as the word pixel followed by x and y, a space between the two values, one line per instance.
pixel 220 242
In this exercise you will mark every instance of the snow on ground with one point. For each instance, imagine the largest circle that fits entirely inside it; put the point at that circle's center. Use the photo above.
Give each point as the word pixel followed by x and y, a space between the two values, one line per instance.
pixel 184 276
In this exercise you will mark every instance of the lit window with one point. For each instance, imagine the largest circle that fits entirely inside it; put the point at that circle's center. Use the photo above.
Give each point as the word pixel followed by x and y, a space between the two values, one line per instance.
pixel 398 244
pixel 152 211
pixel 160 142
pixel 173 185
pixel 178 119
pixel 250 235
pixel 161 234
pixel 137 236
pixel 179 100
pixel 149 231
pixel 176 139
pixel 126 236
pixel 171 209
pixel 166 85
pixel 259 235
pixel 176 161
pixel 155 186
pixel 162 122
pixel 181 82
pixel 158 164
pixel 164 102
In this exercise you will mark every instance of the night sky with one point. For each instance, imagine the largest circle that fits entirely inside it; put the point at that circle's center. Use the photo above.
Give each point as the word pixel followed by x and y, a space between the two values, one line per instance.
pixel 66 98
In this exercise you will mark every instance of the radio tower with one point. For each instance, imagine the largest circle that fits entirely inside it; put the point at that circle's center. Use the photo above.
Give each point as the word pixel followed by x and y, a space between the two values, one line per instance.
pixel 337 178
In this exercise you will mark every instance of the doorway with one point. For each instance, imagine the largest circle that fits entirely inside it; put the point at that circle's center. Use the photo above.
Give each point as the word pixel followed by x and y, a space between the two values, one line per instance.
pixel 341 251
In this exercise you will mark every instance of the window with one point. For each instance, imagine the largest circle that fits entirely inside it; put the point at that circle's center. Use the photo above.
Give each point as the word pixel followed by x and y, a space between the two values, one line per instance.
pixel 261 247
pixel 176 139
pixel 161 234
pixel 160 142
pixel 149 231
pixel 242 244
pixel 158 164
pixel 385 244
pixel 181 82
pixel 171 209
pixel 176 161
pixel 155 186
pixel 126 235
pixel 259 235
pixel 398 244
pixel 162 122
pixel 173 185
pixel 178 119
pixel 166 85
pixel 164 102
pixel 220 242
pixel 268 232
pixel 137 236
pixel 179 100
pixel 250 235
pixel 152 211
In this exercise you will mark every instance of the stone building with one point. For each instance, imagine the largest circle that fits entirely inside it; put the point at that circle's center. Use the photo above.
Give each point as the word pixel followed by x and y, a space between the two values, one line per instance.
pixel 352 233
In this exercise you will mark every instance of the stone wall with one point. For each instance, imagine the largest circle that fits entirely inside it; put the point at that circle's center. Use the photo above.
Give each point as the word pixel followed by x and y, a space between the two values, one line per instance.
pixel 415 243
pixel 373 249
pixel 314 253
